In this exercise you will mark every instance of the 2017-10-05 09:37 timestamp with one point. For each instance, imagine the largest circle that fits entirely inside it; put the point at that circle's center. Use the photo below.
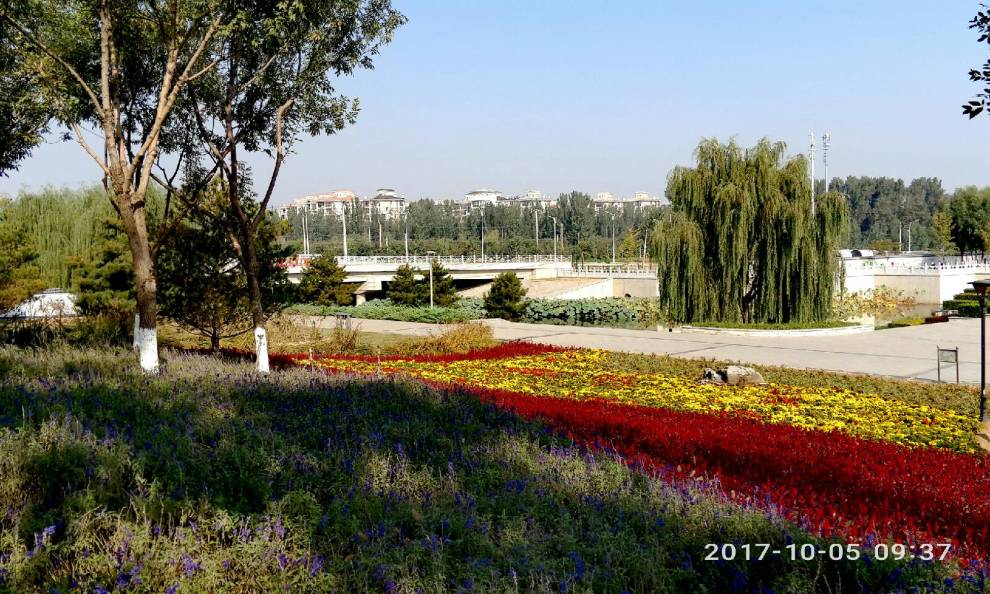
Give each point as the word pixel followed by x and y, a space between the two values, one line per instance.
pixel 834 551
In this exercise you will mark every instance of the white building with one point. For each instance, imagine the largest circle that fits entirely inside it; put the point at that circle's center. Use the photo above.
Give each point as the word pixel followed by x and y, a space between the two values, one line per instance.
pixel 605 200
pixel 387 203
pixel 535 198
pixel 335 202
pixel 482 198
pixel 645 200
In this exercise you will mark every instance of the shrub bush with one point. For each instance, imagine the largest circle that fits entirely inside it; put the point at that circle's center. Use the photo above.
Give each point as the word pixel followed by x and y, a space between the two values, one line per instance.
pixel 505 298
pixel 594 312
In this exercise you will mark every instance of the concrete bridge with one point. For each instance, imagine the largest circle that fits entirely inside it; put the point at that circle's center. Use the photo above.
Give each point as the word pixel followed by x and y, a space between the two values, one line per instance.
pixel 538 273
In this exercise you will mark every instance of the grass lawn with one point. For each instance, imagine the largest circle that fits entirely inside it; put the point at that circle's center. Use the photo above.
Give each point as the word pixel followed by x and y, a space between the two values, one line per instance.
pixel 210 478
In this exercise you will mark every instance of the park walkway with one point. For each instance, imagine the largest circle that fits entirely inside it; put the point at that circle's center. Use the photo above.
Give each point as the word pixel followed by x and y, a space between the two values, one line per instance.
pixel 899 352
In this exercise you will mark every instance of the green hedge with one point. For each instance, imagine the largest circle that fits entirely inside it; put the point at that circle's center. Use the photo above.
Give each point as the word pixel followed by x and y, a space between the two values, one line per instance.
pixel 593 312
pixel 580 312
pixel 383 309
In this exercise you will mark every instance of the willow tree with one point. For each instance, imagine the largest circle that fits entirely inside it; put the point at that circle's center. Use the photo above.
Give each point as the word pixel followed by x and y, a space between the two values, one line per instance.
pixel 743 242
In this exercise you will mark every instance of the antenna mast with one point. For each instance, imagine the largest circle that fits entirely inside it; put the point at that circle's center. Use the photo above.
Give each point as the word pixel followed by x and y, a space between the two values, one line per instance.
pixel 826 138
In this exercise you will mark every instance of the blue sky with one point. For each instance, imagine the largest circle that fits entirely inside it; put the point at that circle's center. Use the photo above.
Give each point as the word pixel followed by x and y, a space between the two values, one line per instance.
pixel 558 95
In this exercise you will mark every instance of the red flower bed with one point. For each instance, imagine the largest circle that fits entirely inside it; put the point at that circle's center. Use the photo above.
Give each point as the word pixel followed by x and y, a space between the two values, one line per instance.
pixel 834 483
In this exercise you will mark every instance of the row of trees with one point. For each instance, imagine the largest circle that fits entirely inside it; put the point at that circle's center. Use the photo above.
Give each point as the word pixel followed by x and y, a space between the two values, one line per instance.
pixel 180 91
pixel 507 228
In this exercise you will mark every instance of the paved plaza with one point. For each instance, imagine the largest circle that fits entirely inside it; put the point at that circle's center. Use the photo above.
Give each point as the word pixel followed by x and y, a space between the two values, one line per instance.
pixel 898 352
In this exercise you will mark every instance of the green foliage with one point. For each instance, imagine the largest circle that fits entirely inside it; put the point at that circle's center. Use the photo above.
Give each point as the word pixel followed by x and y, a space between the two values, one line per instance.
pixel 104 285
pixel 981 23
pixel 444 291
pixel 787 326
pixel 212 478
pixel 744 245
pixel 505 298
pixel 201 284
pixel 883 209
pixel 383 309
pixel 969 210
pixel 404 289
pixel 942 232
pixel 19 275
pixel 323 283
pixel 629 248
pixel 594 312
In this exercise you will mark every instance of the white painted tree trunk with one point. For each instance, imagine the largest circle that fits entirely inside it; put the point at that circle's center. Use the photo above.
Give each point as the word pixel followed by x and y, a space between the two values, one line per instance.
pixel 137 325
pixel 261 348
pixel 147 341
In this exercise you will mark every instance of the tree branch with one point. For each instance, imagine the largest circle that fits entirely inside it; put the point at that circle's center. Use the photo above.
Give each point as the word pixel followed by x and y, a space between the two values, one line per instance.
pixel 68 67
pixel 89 149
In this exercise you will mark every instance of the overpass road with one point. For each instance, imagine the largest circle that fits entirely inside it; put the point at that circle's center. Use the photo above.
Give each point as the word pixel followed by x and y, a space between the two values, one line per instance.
pixel 908 353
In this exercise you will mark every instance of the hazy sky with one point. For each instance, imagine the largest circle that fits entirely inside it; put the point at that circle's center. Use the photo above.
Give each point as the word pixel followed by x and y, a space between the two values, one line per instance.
pixel 566 94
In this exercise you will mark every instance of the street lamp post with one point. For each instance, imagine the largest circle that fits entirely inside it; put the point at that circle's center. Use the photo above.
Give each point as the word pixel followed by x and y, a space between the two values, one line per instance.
pixel 981 287
pixel 430 254
pixel 613 238
pixel 405 217
pixel 554 238
pixel 343 220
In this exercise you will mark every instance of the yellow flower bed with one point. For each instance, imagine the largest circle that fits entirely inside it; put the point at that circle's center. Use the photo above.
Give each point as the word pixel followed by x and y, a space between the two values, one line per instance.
pixel 582 375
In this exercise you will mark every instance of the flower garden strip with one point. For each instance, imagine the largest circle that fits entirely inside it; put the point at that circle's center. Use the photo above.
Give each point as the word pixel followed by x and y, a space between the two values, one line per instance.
pixel 583 375
pixel 865 469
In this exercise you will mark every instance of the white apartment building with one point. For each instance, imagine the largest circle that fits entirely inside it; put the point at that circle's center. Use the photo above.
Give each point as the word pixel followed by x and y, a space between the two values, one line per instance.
pixel 534 198
pixel 335 202
pixel 482 198
pixel 605 200
pixel 387 203
pixel 645 200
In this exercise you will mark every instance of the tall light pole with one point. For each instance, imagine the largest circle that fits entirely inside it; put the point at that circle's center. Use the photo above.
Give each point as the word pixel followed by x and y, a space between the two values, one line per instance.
pixel 613 237
pixel 536 226
pixel 483 233
pixel 430 254
pixel 305 223
pixel 981 287
pixel 811 157
pixel 405 220
pixel 343 219
pixel 554 238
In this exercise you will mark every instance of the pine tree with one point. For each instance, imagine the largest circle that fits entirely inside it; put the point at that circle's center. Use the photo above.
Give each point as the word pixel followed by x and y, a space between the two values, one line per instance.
pixel 404 289
pixel 505 298
pixel 323 283
pixel 629 248
pixel 444 291
pixel 742 243
pixel 105 283
pixel 19 275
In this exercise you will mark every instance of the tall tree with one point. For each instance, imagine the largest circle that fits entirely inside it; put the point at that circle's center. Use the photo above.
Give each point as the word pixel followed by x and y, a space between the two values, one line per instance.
pixel 969 210
pixel 118 66
pixel 742 243
pixel 444 291
pixel 981 22
pixel 19 275
pixel 274 83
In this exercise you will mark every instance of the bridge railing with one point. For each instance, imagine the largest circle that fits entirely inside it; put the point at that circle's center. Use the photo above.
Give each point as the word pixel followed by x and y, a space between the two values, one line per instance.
pixel 472 259
pixel 607 270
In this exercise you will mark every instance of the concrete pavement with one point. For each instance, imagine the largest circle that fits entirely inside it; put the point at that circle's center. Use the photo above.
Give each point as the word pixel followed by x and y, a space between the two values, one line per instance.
pixel 899 352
